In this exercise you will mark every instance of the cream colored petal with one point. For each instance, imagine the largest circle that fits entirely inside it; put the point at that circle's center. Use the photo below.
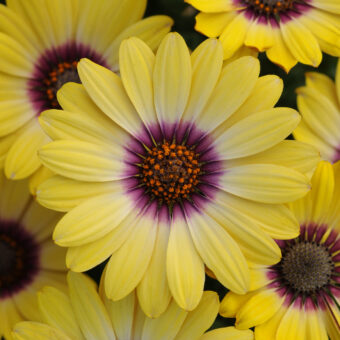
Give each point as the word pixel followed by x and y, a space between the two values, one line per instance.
pixel 185 268
pixel 219 252
pixel 265 183
pixel 206 61
pixel 22 158
pixel 153 291
pixel 200 319
pixel 166 326
pixel 84 161
pixel 151 30
pixel 93 219
pixel 56 311
pixel 106 89
pixel 257 133
pixel 90 312
pixel 128 264
pixel 171 79
pixel 236 83
pixel 33 330
pixel 136 67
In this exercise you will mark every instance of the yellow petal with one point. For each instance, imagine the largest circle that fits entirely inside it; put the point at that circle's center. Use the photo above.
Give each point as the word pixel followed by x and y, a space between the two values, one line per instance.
pixel 206 61
pixel 265 183
pixel 279 53
pixel 258 309
pixel 230 333
pixel 232 303
pixel 337 81
pixel 185 269
pixel 41 175
pixel 153 291
pixel 22 158
pixel 38 331
pixel 166 326
pixel 301 43
pixel 84 161
pixel 211 5
pixel 9 315
pixel 200 319
pixel 219 252
pixel 92 219
pixel 260 35
pixel 63 194
pixel 234 35
pixel 89 309
pixel 236 83
pixel 136 67
pixel 106 89
pixel 213 24
pixel 128 264
pixel 328 5
pixel 171 79
pixel 268 329
pixel 52 257
pixel 56 311
pixel 257 133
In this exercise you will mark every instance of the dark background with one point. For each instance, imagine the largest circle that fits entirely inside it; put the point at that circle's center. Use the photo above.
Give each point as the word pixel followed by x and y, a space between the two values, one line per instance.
pixel 184 17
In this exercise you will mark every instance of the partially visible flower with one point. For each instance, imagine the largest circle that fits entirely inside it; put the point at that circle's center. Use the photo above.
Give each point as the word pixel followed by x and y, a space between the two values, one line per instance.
pixel 41 43
pixel 299 297
pixel 177 164
pixel 289 31
pixel 319 104
pixel 29 259
pixel 83 314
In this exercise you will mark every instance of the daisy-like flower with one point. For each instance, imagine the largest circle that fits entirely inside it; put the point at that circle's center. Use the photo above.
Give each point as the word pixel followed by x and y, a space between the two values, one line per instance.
pixel 28 258
pixel 41 43
pixel 299 297
pixel 82 313
pixel 177 164
pixel 289 31
pixel 319 104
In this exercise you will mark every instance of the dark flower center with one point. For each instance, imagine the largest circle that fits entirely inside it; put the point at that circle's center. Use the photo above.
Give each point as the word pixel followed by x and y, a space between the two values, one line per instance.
pixel 19 258
pixel 53 69
pixel 170 172
pixel 268 7
pixel 306 266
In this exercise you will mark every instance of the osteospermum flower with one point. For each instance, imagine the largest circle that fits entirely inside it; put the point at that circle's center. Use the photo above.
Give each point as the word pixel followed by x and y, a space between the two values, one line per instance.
pixel 82 313
pixel 289 31
pixel 41 44
pixel 28 257
pixel 299 297
pixel 176 165
pixel 319 104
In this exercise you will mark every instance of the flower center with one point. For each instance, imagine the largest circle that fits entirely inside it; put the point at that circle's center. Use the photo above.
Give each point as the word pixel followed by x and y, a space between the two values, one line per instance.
pixel 19 260
pixel 170 172
pixel 269 7
pixel 62 74
pixel 306 266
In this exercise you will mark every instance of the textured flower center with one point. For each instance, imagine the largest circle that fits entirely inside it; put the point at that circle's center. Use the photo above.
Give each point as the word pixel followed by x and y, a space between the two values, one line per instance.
pixel 269 7
pixel 18 258
pixel 170 172
pixel 307 266
pixel 63 73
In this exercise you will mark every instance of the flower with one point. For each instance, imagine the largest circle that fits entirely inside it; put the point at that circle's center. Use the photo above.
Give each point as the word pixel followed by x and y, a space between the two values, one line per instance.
pixel 319 104
pixel 289 31
pixel 170 167
pixel 29 259
pixel 41 44
pixel 299 297
pixel 82 313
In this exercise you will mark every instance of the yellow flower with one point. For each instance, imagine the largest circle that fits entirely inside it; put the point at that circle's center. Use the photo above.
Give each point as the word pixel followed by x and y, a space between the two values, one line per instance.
pixel 299 297
pixel 177 164
pixel 28 258
pixel 41 43
pixel 289 31
pixel 319 104
pixel 82 313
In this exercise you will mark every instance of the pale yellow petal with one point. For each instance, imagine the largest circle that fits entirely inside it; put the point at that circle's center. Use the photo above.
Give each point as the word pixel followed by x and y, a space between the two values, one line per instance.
pixel 38 331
